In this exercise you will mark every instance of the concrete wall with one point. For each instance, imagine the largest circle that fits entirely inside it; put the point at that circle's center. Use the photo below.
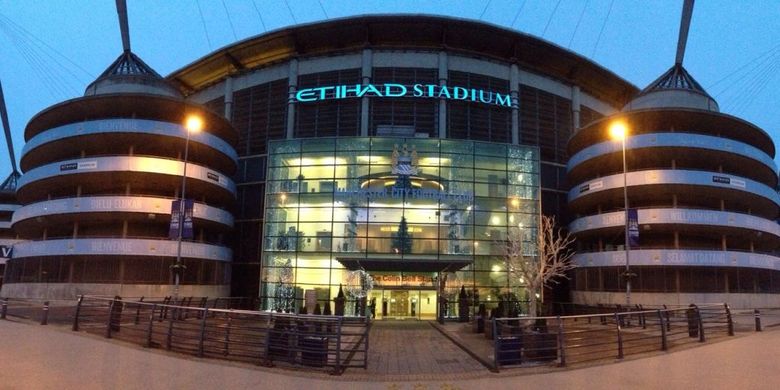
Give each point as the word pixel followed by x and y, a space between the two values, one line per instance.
pixel 71 291
pixel 735 301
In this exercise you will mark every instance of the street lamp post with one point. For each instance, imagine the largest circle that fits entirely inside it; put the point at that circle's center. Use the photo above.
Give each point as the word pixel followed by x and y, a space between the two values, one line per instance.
pixel 618 130
pixel 193 124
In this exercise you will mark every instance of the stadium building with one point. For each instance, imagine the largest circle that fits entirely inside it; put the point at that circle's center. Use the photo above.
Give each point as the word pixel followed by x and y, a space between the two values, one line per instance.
pixel 404 147
pixel 486 112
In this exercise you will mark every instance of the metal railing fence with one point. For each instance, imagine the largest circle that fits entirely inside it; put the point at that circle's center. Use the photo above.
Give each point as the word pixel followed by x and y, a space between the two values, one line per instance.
pixel 318 342
pixel 38 310
pixel 590 337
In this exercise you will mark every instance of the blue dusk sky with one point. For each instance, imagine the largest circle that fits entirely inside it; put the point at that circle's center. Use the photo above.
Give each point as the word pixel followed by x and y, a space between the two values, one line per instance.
pixel 50 50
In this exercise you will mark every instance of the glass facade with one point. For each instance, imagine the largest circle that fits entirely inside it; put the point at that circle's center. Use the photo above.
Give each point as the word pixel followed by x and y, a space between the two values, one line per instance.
pixel 419 215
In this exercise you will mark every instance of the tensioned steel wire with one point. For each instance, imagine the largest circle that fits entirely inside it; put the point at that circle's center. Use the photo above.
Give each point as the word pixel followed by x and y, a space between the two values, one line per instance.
pixel 748 81
pixel 43 59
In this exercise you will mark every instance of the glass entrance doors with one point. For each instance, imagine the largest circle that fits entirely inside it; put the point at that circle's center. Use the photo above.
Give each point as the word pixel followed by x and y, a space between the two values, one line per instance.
pixel 403 304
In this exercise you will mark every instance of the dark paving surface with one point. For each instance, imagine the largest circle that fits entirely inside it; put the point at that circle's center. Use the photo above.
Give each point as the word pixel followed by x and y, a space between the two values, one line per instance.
pixel 414 349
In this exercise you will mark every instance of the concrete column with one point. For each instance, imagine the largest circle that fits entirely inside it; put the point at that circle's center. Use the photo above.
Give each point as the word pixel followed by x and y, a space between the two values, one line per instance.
pixel 575 108
pixel 514 92
pixel 443 77
pixel 292 87
pixel 229 98
pixel 366 71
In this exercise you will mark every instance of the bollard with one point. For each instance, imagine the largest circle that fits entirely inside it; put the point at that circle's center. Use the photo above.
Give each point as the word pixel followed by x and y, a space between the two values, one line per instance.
pixel 619 337
pixel 729 320
pixel 561 346
pixel 76 315
pixel 202 331
pixel 169 335
pixel 757 315
pixel 4 308
pixel 664 346
pixel 138 312
pixel 149 328
pixel 45 318
pixel 227 336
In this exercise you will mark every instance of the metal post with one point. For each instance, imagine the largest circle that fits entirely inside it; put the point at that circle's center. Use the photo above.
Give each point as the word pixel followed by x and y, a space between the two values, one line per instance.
pixel 625 206
pixel 4 308
pixel 179 266
pixel 108 322
pixel 729 320
pixel 227 336
pixel 561 346
pixel 202 332
pixel 138 312
pixel 668 320
pixel 496 340
pixel 701 324
pixel 76 315
pixel 664 346
pixel 619 337
pixel 45 318
pixel 337 369
pixel 757 315
pixel 365 337
pixel 149 328
pixel 169 336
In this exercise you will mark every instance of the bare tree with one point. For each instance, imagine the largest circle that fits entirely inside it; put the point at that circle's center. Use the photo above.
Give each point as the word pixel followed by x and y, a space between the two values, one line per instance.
pixel 543 269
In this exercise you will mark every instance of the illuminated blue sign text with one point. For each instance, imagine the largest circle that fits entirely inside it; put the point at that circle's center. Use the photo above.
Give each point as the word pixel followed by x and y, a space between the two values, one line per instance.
pixel 390 90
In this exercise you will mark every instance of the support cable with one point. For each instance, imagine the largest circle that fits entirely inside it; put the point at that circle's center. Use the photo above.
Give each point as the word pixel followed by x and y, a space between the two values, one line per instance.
pixel 203 21
pixel 759 83
pixel 33 38
pixel 323 9
pixel 291 12
pixel 551 18
pixel 517 15
pixel 747 64
pixel 755 68
pixel 259 15
pixel 230 21
pixel 52 85
pixel 601 31
pixel 484 10
pixel 577 26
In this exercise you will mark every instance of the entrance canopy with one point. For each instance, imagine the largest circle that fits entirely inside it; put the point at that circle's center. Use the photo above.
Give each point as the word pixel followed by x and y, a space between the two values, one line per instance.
pixel 407 263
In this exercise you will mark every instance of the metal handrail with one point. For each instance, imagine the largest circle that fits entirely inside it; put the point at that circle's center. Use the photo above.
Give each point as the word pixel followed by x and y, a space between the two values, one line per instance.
pixel 323 342
pixel 615 335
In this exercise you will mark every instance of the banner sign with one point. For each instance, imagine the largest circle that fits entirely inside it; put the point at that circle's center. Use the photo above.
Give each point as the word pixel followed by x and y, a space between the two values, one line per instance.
pixel 6 251
pixel 633 228
pixel 176 218
pixel 78 166
pixel 728 180
pixel 391 90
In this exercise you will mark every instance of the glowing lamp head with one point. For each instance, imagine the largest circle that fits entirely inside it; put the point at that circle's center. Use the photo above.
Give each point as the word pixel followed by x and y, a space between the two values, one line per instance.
pixel 193 123
pixel 618 131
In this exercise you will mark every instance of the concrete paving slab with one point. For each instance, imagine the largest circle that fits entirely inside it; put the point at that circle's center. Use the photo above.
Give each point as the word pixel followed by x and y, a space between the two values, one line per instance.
pixel 46 357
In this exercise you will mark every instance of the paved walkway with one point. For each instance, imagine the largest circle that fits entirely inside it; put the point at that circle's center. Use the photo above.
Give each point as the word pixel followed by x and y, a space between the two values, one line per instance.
pixel 37 357
pixel 403 350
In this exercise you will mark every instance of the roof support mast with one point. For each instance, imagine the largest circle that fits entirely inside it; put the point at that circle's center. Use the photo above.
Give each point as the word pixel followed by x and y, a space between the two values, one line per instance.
pixel 7 129
pixel 121 10
pixel 685 23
